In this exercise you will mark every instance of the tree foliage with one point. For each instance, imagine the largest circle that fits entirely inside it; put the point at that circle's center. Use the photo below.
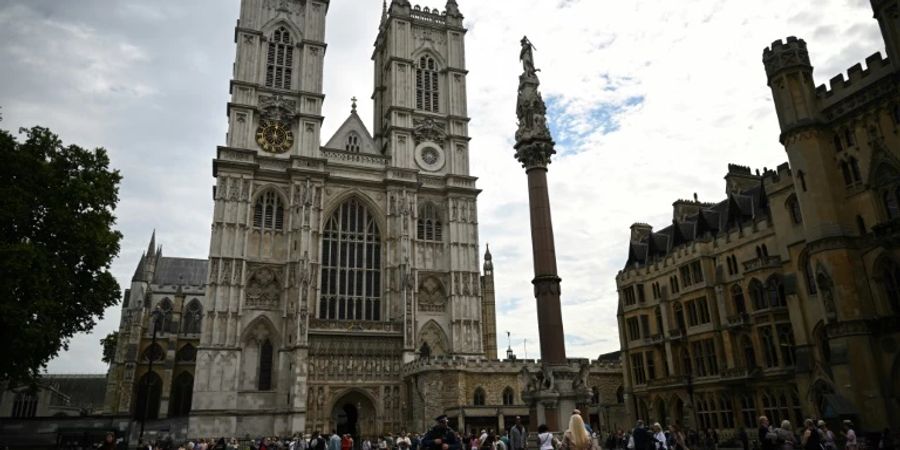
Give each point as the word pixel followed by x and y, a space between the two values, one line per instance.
pixel 109 346
pixel 56 246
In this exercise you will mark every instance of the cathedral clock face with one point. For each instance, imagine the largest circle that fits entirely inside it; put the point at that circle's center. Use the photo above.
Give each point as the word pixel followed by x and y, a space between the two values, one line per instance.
pixel 274 136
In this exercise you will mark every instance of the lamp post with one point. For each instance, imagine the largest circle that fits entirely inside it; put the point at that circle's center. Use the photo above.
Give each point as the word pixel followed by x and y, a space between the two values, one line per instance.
pixel 155 315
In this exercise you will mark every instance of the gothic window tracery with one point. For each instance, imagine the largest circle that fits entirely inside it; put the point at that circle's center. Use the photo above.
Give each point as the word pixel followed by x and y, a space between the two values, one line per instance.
pixel 508 396
pixel 427 90
pixel 757 295
pixel 263 289
pixel 268 212
pixel 775 291
pixel 737 297
pixel 153 353
pixel 280 60
pixel 429 227
pixel 479 397
pixel 351 265
pixel 164 321
pixel 188 353
pixel 192 318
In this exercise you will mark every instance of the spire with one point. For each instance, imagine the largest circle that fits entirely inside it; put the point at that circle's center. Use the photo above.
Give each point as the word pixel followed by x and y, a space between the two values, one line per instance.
pixel 488 260
pixel 534 144
pixel 151 249
pixel 384 12
pixel 353 105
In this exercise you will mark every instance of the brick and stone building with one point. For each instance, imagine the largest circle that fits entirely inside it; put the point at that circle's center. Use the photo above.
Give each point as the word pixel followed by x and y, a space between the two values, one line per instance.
pixel 783 298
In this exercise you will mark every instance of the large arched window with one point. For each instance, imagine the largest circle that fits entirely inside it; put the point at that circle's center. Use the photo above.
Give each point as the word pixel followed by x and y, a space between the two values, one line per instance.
pixel 889 273
pixel 427 95
pixel 737 298
pixel 165 317
pixel 182 393
pixel 429 224
pixel 478 399
pixel 775 292
pixel 192 317
pixel 757 295
pixel 268 213
pixel 149 389
pixel 351 265
pixel 509 396
pixel 266 356
pixel 24 405
pixel 280 60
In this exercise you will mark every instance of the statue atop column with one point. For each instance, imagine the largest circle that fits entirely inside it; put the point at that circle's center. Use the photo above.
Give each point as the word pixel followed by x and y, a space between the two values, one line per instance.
pixel 534 144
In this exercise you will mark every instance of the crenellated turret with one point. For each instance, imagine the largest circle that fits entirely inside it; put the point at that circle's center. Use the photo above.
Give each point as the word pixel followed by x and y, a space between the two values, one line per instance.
pixel 789 74
pixel 887 12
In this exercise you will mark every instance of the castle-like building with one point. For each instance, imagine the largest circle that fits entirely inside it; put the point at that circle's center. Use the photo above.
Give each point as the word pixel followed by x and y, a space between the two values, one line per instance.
pixel 783 299
pixel 344 286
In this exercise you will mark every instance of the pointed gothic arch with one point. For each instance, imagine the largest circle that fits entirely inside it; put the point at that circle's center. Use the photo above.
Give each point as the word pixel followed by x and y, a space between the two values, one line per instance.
pixel 182 395
pixel 351 280
pixel 165 322
pixel 479 398
pixel 192 317
pixel 428 82
pixel 433 335
pixel 149 396
pixel 259 347
pixel 509 396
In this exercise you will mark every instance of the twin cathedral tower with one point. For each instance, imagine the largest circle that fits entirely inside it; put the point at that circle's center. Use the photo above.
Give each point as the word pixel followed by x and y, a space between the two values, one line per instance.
pixel 330 266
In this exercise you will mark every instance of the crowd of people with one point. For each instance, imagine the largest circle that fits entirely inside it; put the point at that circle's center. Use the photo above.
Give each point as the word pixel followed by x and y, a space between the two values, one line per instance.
pixel 813 435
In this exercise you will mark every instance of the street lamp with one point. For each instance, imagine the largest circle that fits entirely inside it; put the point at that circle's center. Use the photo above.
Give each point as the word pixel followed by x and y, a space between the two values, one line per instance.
pixel 155 316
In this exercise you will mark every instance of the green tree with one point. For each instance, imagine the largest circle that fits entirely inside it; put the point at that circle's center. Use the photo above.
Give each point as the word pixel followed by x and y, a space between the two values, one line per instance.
pixel 109 346
pixel 56 246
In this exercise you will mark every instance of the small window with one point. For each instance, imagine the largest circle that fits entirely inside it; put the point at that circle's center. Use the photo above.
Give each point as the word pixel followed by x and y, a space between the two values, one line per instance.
pixel 838 146
pixel 794 208
pixel 24 405
pixel 479 399
pixel 508 396
pixel 854 170
pixel 845 172
pixel 850 137
pixel 353 143
pixel 264 382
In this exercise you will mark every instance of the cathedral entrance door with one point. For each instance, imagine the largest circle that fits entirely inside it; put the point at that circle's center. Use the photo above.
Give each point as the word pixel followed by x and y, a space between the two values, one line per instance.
pixel 354 414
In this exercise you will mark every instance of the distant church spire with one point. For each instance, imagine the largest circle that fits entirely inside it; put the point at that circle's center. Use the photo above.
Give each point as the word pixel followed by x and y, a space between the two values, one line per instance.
pixel 452 9
pixel 151 249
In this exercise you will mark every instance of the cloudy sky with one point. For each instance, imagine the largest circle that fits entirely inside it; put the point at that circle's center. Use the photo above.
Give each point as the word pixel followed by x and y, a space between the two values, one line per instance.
pixel 649 102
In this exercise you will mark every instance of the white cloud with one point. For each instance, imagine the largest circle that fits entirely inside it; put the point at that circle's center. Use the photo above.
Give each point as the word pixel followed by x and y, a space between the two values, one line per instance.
pixel 696 65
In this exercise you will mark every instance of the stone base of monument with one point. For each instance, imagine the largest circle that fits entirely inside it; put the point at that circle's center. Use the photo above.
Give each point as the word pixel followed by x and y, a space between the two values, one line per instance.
pixel 555 392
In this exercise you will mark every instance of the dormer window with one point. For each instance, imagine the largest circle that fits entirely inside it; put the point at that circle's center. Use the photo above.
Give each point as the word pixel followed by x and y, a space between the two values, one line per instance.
pixel 352 143
pixel 427 95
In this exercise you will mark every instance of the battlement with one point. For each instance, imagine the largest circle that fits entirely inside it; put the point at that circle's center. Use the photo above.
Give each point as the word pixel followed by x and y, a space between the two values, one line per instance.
pixel 788 54
pixel 481 364
pixel 838 87
pixel 736 169
pixel 783 172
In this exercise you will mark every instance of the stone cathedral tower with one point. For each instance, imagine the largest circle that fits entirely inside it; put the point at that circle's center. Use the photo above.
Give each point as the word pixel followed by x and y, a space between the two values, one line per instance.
pixel 331 266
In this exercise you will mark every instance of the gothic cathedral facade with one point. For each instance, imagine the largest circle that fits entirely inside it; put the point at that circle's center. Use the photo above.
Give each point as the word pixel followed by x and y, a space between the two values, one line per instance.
pixel 332 266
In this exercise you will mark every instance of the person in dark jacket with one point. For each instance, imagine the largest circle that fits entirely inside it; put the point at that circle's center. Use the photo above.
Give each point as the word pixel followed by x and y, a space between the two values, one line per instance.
pixel 766 434
pixel 643 439
pixel 441 436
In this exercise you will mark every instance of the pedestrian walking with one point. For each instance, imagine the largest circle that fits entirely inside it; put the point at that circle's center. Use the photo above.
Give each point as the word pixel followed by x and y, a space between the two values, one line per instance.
pixel 849 436
pixel 441 436
pixel 518 436
pixel 576 436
